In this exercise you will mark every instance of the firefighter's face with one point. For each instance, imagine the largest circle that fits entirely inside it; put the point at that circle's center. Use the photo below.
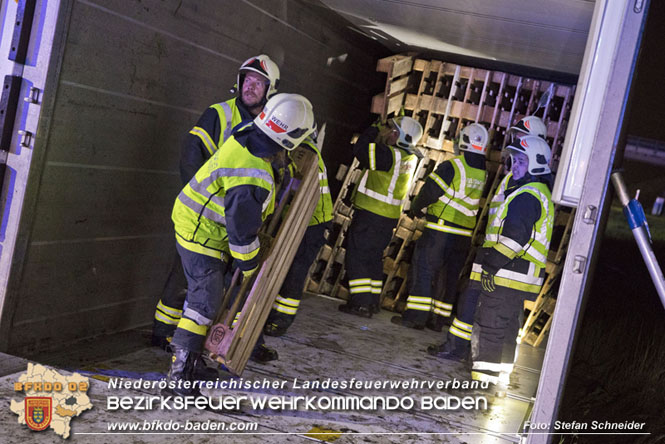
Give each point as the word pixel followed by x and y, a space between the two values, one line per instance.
pixel 391 133
pixel 520 165
pixel 253 89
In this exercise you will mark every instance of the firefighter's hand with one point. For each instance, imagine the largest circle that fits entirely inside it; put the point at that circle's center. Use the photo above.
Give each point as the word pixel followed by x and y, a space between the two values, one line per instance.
pixel 487 281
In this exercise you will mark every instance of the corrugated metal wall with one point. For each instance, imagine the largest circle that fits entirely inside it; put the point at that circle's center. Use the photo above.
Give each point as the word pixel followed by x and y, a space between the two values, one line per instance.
pixel 135 77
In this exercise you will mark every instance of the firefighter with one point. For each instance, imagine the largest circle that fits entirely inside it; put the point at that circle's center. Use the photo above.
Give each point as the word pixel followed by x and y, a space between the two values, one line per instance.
pixel 526 126
pixel 286 305
pixel 257 81
pixel 219 212
pixel 387 154
pixel 451 195
pixel 509 267
pixel 457 345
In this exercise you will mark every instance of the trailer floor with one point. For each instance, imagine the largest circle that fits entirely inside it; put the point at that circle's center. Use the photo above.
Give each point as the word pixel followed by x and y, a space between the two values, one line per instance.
pixel 322 343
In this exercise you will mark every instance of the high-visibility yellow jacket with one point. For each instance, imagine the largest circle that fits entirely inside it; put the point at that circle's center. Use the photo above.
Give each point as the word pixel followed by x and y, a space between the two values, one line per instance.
pixel 460 200
pixel 212 129
pixel 524 262
pixel 386 178
pixel 223 206
pixel 323 211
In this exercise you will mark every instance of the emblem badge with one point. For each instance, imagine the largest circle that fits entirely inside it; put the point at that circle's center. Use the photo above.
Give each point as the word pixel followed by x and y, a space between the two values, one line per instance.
pixel 38 412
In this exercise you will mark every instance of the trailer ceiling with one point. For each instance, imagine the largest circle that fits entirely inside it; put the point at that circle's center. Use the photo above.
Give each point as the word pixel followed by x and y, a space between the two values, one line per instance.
pixel 544 34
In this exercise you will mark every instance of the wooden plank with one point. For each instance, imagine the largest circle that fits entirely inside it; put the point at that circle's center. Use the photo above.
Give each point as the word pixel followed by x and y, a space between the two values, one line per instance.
pixel 397 85
pixel 483 96
pixel 421 65
pixel 392 105
pixel 379 104
pixel 232 344
pixel 395 66
pixel 395 103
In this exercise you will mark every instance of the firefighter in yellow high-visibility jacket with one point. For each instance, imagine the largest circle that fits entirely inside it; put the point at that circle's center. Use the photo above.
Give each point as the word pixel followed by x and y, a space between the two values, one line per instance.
pixel 257 81
pixel 508 269
pixel 388 156
pixel 219 213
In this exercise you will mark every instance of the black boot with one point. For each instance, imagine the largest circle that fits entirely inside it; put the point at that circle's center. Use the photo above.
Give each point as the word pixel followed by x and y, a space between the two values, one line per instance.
pixel 434 325
pixel 273 329
pixel 161 336
pixel 399 320
pixel 444 351
pixel 181 372
pixel 359 310
pixel 208 372
pixel 263 354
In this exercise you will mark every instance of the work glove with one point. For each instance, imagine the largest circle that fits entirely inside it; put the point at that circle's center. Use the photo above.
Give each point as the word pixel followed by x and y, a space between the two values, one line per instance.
pixel 414 213
pixel 487 281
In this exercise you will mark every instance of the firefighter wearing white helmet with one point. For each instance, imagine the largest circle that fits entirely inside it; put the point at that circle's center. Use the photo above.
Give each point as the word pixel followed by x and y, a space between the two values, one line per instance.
pixel 287 119
pixel 218 214
pixel 451 196
pixel 529 126
pixel 509 268
pixel 410 132
pixel 258 78
pixel 387 154
pixel 266 68
pixel 526 126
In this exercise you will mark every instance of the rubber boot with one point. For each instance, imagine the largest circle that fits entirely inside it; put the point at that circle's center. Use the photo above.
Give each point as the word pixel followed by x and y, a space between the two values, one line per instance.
pixel 263 354
pixel 399 320
pixel 183 363
pixel 204 372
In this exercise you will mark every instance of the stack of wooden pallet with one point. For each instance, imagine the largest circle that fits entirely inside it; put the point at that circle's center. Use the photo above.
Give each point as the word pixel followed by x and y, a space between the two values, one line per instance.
pixel 444 98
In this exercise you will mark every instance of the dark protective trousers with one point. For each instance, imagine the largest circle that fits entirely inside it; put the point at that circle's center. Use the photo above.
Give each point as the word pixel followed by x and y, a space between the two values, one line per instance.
pixel 458 338
pixel 498 318
pixel 435 250
pixel 169 308
pixel 205 286
pixel 367 237
pixel 286 306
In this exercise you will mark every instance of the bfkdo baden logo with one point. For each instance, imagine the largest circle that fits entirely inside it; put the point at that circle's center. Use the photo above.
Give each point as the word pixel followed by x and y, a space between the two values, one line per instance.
pixel 38 412
pixel 51 399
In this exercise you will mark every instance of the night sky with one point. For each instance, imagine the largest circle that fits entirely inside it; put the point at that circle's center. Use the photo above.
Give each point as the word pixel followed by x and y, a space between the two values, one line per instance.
pixel 647 115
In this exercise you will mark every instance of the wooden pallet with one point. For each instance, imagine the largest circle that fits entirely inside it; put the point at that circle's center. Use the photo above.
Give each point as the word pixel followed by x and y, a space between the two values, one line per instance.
pixel 232 343
pixel 396 260
pixel 445 97
pixel 539 320
pixel 327 271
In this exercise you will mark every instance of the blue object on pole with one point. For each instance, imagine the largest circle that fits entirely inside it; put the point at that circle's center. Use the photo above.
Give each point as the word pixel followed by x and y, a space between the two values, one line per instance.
pixel 636 217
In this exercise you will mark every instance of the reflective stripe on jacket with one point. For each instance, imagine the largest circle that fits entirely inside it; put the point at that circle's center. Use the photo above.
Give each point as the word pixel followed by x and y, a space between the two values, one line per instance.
pixel 526 270
pixel 383 192
pixel 229 117
pixel 323 210
pixel 460 200
pixel 199 212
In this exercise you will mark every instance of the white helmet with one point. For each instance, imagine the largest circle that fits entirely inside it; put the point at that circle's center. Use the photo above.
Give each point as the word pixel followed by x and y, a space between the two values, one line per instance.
pixel 261 64
pixel 410 132
pixel 473 138
pixel 538 152
pixel 287 119
pixel 529 126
